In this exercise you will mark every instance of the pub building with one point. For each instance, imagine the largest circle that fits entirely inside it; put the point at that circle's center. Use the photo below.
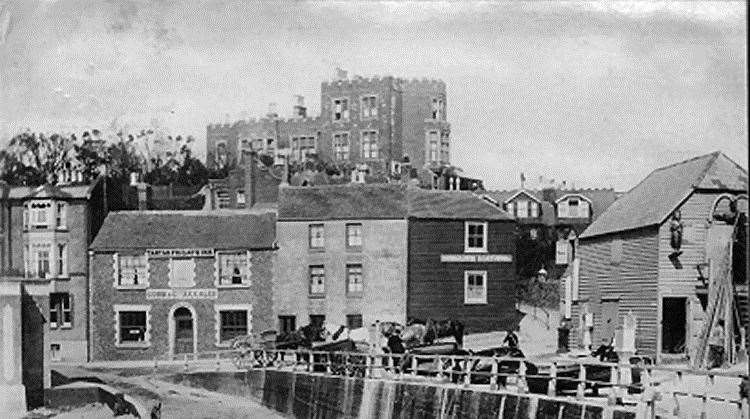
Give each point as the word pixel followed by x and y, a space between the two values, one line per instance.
pixel 179 282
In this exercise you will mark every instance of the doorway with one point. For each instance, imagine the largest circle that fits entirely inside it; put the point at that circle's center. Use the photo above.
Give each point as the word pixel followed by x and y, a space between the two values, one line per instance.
pixel 183 331
pixel 673 325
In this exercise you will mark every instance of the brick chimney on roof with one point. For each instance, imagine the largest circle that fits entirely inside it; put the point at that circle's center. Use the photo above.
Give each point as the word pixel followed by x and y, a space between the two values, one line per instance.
pixel 300 110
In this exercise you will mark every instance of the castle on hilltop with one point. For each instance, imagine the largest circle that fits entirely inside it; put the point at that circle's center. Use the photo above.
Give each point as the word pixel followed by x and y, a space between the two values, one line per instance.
pixel 380 122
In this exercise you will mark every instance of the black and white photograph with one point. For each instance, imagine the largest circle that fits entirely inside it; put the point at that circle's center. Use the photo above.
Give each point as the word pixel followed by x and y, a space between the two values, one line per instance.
pixel 374 209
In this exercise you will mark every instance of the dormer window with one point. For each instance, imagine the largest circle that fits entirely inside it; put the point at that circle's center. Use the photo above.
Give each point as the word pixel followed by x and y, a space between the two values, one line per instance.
pixel 522 209
pixel 573 207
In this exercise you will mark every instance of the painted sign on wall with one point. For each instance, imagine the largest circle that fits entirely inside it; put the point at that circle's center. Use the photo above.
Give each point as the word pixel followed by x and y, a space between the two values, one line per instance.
pixel 180 253
pixel 464 258
pixel 182 294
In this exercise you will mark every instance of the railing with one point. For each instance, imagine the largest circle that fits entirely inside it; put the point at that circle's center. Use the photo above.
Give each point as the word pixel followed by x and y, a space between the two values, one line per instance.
pixel 664 384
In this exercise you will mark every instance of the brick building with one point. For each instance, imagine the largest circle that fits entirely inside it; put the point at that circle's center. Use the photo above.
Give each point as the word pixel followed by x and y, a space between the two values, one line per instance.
pixel 374 121
pixel 354 254
pixel 169 283
pixel 46 232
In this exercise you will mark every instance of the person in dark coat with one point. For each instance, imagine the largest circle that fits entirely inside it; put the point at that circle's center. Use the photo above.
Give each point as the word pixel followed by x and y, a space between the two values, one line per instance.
pixel 511 339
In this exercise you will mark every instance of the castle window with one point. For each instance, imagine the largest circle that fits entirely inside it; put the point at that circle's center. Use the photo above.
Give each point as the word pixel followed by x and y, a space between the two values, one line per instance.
pixel 341 146
pixel 61 219
pixel 62 260
pixel 240 198
pixel 353 321
pixel 341 109
pixel 369 107
pixel 287 324
pixel 132 325
pixel 444 148
pixel 369 145
pixel 40 214
pixel 233 320
pixel 438 108
pixel 353 235
pixel 432 142
pixel 302 147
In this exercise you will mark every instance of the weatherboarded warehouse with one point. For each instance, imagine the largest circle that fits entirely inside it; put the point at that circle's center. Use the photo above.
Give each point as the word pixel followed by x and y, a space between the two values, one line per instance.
pixel 179 282
pixel 630 262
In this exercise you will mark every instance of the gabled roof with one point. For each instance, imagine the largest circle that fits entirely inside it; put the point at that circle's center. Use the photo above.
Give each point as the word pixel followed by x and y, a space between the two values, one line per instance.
pixel 341 202
pixel 51 191
pixel 452 205
pixel 382 201
pixel 526 192
pixel 222 229
pixel 570 194
pixel 661 192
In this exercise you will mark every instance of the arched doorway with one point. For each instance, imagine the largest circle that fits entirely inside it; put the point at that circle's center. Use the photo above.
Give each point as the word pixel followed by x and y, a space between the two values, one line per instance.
pixel 184 331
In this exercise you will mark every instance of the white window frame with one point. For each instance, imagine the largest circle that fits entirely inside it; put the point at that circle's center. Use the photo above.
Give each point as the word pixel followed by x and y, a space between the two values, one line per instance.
pixel 31 258
pixel 468 249
pixel 433 138
pixel 373 111
pixel 533 209
pixel 309 280
pixel 117 308
pixel 563 210
pixel 60 323
pixel 481 300
pixel 33 214
pixel 246 278
pixel 310 236
pixel 345 111
pixel 218 308
pixel 348 236
pixel 341 146
pixel 61 260
pixel 522 208
pixel 361 282
pixel 144 283
pixel 61 215
pixel 172 283
pixel 372 138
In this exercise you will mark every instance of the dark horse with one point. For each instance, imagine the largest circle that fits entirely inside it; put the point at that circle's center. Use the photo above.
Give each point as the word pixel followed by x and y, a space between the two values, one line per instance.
pixel 444 328
pixel 301 338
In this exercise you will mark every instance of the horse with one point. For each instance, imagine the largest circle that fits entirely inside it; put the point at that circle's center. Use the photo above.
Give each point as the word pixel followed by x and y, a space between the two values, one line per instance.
pixel 414 334
pixel 444 328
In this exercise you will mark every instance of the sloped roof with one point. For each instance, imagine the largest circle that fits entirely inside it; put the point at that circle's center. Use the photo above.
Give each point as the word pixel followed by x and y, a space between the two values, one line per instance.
pixel 336 202
pixel 452 205
pixel 223 229
pixel 381 201
pixel 651 201
pixel 51 191
pixel 503 196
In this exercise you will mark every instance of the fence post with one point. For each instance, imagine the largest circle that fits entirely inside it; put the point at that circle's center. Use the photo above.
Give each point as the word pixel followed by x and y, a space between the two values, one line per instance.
pixel 493 373
pixel 218 361
pixel 389 361
pixel 614 380
pixel 581 389
pixel 521 384
pixel 186 363
pixel 309 361
pixel 156 364
pixel 678 388
pixel 552 383
pixel 329 364
pixel 468 363
pixel 439 367
pixel 368 366
pixel 414 365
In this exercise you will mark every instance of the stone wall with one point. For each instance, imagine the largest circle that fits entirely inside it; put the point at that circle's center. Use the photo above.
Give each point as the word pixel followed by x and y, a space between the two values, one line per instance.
pixel 305 395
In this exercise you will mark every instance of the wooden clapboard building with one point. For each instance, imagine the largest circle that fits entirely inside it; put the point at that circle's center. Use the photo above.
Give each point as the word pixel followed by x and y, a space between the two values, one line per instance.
pixel 650 254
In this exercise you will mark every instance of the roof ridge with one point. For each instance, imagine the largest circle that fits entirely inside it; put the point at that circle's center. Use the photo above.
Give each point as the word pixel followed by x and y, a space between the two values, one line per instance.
pixel 702 156
pixel 705 170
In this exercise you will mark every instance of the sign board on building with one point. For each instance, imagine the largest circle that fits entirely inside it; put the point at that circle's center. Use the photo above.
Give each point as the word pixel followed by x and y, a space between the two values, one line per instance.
pixel 466 258
pixel 182 294
pixel 180 253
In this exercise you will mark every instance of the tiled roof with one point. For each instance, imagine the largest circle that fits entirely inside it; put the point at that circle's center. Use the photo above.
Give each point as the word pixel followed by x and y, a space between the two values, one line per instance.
pixel 51 191
pixel 381 201
pixel 651 201
pixel 452 205
pixel 222 229
pixel 337 202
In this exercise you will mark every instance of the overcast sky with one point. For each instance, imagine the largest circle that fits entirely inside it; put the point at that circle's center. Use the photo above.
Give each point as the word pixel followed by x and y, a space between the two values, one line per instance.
pixel 596 94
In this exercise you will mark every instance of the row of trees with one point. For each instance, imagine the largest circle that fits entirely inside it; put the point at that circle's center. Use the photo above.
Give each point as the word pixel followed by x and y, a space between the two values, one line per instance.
pixel 33 159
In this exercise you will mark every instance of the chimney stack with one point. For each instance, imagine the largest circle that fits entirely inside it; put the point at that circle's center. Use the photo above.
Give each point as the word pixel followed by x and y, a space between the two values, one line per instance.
pixel 142 196
pixel 300 110
pixel 272 110
pixel 251 179
pixel 341 74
